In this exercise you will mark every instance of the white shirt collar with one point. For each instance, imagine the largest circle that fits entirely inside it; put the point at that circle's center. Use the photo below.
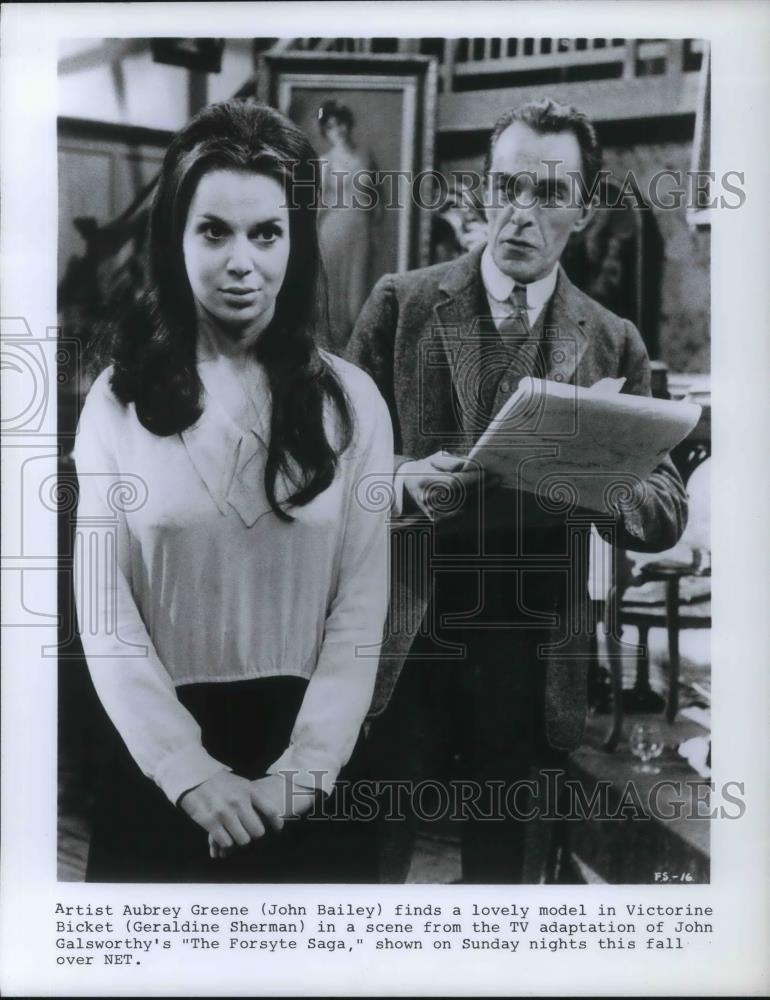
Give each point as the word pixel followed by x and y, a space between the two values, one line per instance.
pixel 229 458
pixel 499 286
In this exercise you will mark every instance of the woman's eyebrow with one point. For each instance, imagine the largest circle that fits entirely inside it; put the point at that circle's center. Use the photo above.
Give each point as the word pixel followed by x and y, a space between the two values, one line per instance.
pixel 267 220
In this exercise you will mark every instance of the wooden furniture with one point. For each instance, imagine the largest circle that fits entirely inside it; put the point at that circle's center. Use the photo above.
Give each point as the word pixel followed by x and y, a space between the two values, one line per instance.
pixel 668 590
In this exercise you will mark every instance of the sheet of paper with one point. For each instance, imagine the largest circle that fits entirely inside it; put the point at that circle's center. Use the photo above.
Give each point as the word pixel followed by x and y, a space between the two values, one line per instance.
pixel 600 444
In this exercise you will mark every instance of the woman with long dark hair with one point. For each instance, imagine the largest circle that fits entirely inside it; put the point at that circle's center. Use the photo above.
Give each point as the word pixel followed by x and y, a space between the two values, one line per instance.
pixel 232 630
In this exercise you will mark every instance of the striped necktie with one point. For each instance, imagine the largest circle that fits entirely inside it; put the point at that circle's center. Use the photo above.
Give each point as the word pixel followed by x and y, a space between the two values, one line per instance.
pixel 521 345
pixel 515 328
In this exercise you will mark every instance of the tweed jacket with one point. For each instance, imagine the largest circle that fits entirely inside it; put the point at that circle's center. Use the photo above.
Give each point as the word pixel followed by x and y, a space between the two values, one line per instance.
pixel 418 337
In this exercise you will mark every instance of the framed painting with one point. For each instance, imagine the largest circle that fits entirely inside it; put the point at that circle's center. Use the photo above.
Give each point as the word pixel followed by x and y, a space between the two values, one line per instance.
pixel 390 102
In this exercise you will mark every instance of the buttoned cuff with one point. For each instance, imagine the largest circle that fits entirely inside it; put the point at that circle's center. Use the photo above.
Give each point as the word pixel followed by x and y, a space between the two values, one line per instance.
pixel 184 769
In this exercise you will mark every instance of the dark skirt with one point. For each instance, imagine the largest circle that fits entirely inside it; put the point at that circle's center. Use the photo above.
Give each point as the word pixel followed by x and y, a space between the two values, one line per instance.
pixel 139 836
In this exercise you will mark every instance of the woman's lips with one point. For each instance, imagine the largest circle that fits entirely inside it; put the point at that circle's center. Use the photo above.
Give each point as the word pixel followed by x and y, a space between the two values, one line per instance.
pixel 240 298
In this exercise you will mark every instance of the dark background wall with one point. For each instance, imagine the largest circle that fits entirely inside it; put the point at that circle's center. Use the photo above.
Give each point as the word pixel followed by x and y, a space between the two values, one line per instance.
pixel 684 329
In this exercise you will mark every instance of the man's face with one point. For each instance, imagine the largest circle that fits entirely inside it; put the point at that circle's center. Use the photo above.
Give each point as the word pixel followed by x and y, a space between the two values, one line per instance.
pixel 533 207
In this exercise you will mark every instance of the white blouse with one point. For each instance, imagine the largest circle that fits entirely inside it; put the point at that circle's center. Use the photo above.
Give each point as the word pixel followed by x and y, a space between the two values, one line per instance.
pixel 184 574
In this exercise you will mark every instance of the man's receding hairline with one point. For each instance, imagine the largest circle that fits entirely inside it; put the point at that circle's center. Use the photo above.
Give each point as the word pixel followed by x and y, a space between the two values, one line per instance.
pixel 548 116
pixel 569 133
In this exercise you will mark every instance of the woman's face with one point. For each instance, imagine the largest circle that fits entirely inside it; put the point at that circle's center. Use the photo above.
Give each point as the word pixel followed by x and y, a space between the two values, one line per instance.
pixel 236 249
pixel 336 132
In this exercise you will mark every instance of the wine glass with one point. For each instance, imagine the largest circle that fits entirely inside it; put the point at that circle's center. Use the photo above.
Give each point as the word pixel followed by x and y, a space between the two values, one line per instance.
pixel 646 743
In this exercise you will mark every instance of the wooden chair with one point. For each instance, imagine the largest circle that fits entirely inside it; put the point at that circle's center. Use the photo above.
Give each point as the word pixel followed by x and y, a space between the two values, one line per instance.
pixel 669 590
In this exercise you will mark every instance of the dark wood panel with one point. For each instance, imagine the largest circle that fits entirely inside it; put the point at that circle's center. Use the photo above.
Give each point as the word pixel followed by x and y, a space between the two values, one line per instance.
pixel 100 175
pixel 607 100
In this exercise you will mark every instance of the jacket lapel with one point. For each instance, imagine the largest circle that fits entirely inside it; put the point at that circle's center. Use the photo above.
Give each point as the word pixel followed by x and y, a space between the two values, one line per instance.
pixel 459 317
pixel 567 331
pixel 459 322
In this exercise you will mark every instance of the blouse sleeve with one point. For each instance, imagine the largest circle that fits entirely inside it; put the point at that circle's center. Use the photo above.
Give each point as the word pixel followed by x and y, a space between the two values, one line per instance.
pixel 136 690
pixel 340 690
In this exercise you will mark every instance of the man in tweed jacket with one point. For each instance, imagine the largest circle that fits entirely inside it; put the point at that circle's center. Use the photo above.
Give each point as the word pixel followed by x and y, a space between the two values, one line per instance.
pixel 500 660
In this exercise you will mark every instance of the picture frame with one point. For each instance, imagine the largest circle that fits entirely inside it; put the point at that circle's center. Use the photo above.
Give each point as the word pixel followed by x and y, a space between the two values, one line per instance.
pixel 404 87
pixel 203 55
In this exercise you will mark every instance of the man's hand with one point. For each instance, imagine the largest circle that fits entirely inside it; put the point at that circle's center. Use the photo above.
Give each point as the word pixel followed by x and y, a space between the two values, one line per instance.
pixel 441 484
pixel 227 807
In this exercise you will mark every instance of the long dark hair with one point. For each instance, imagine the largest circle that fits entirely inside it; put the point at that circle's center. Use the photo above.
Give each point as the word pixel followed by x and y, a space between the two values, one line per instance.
pixel 153 343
